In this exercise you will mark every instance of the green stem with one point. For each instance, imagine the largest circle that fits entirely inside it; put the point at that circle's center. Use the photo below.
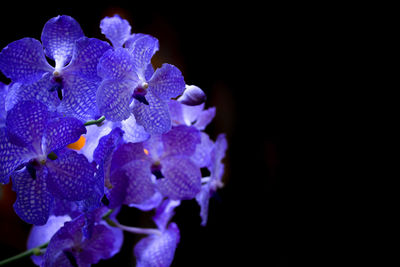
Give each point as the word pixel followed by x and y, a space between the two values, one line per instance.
pixel 30 252
pixel 97 122
pixel 107 214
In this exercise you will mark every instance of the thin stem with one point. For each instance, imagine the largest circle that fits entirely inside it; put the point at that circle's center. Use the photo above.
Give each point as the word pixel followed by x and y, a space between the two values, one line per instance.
pixel 97 122
pixel 135 230
pixel 107 214
pixel 30 252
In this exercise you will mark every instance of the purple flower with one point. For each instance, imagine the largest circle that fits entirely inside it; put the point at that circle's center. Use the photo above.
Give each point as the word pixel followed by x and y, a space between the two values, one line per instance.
pixel 128 79
pixel 43 233
pixel 73 79
pixel 198 117
pixel 70 247
pixel 192 96
pixel 216 168
pixel 130 177
pixel 31 134
pixel 162 164
pixel 159 250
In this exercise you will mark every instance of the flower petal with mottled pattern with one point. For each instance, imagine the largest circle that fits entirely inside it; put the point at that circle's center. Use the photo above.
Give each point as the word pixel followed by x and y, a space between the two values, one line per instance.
pixel 33 199
pixel 26 123
pixel 58 37
pixel 154 117
pixel 62 131
pixel 116 29
pixel 157 250
pixel 182 178
pixel 71 176
pixel 24 61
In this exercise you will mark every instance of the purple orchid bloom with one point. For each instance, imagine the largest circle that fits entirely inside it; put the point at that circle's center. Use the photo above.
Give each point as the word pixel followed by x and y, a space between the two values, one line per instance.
pixel 69 246
pixel 130 85
pixel 32 133
pixel 158 250
pixel 139 172
pixel 73 78
pixel 213 182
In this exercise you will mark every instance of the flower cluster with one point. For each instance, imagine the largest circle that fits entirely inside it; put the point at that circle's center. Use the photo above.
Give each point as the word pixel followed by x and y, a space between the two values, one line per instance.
pixel 87 126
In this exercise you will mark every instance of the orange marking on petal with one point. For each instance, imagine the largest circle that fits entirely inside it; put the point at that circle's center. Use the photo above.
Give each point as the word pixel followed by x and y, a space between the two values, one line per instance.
pixel 78 145
pixel 146 151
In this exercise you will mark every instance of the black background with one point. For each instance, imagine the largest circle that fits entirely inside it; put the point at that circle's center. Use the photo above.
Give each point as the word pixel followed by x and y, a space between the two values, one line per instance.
pixel 243 56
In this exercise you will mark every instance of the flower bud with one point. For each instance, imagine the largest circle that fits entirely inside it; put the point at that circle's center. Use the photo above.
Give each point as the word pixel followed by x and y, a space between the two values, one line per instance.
pixel 192 96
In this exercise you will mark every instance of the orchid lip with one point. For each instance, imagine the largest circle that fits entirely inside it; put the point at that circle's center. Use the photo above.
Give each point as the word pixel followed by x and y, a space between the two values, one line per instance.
pixel 156 170
pixel 34 165
pixel 140 92
pixel 141 99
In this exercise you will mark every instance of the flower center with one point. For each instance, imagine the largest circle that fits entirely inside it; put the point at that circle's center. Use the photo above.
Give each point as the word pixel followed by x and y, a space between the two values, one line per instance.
pixel 38 162
pixel 56 73
pixel 156 170
pixel 34 165
pixel 140 92
pixel 57 80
